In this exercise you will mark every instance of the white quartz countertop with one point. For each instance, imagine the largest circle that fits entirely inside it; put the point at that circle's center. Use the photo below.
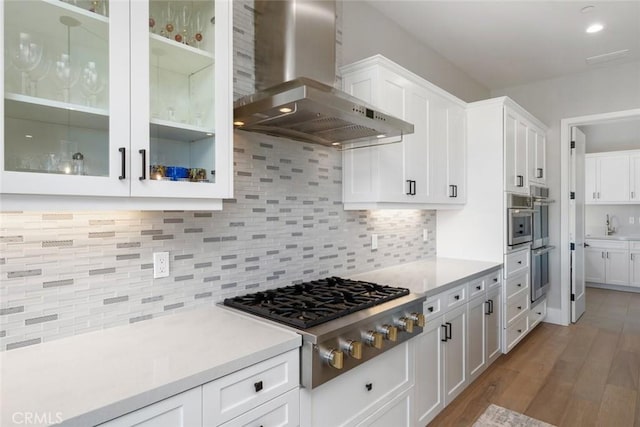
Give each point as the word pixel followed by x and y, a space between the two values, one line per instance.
pixel 91 378
pixel 613 236
pixel 430 276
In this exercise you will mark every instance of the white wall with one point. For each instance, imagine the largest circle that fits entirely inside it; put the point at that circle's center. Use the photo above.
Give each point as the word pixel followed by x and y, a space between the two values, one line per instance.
pixel 366 32
pixel 600 90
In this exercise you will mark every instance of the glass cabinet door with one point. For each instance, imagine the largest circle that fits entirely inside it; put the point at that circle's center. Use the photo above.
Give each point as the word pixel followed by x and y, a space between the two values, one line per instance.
pixel 66 113
pixel 180 102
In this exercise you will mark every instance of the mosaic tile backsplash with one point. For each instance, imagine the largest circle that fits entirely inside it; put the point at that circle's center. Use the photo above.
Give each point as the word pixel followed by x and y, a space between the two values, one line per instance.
pixel 64 274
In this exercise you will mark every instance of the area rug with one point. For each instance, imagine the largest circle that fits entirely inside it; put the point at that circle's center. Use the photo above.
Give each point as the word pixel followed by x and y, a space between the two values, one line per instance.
pixel 497 416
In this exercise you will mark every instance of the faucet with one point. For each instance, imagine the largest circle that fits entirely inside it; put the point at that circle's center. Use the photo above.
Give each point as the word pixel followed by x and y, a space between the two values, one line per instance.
pixel 610 228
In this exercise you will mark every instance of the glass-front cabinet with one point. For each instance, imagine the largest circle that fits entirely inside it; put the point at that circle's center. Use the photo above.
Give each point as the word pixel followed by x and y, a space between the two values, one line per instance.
pixel 117 98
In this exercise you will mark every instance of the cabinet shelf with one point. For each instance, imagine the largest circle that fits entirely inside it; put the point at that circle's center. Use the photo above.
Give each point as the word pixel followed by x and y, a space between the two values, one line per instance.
pixel 177 57
pixel 46 110
pixel 165 129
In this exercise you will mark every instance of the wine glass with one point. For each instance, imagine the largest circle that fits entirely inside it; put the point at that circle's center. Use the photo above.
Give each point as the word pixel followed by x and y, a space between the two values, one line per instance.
pixel 91 83
pixel 39 73
pixel 26 55
pixel 198 29
pixel 169 20
pixel 66 75
pixel 184 21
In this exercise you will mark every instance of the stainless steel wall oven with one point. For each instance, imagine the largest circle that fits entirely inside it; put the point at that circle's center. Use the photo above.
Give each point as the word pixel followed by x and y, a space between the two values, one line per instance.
pixel 540 248
pixel 519 220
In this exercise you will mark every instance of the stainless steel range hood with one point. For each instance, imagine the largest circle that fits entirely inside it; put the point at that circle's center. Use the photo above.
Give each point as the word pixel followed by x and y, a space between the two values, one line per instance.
pixel 295 73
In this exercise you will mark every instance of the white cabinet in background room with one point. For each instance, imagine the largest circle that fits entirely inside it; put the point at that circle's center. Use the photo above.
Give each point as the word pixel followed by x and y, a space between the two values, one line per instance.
pixel 634 178
pixel 607 262
pixel 426 169
pixel 607 178
pixel 634 263
pixel 265 393
pixel 125 118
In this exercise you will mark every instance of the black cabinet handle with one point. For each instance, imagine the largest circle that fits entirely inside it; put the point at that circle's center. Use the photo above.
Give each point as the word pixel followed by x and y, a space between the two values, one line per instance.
pixel 491 306
pixel 519 331
pixel 479 287
pixel 519 285
pixel 520 181
pixel 123 167
pixel 450 331
pixel 457 297
pixel 143 152
pixel 540 173
pixel 369 386
pixel 495 279
pixel 455 191
pixel 519 262
pixel 430 309
pixel 445 339
pixel 488 311
pixel 519 307
pixel 586 245
pixel 412 187
pixel 452 191
pixel 257 386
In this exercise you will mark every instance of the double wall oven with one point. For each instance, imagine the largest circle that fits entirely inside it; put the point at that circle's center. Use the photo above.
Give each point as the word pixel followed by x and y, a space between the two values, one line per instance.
pixel 540 247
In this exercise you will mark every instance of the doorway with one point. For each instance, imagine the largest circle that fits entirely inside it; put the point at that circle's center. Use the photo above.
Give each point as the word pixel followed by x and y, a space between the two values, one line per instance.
pixel 572 262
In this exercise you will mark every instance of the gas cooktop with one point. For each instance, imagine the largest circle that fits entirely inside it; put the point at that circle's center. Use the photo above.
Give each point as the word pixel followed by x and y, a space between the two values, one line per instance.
pixel 312 303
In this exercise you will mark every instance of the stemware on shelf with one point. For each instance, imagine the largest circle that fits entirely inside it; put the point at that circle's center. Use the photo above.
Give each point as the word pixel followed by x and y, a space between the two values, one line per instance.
pixel 26 55
pixel 38 74
pixel 184 23
pixel 169 19
pixel 66 75
pixel 92 82
pixel 198 29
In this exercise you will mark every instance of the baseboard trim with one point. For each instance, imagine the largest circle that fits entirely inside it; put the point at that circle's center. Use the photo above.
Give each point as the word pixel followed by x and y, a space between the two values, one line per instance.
pixel 613 287
pixel 555 316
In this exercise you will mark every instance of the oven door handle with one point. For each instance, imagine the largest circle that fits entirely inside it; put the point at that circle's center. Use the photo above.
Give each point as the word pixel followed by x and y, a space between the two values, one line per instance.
pixel 542 251
pixel 518 211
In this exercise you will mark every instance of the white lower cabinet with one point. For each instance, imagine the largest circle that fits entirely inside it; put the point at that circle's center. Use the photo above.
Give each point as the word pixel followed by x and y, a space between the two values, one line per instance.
pixel 609 262
pixel 460 340
pixel 265 393
pixel 181 410
pixel 396 413
pixel 358 396
pixel 634 264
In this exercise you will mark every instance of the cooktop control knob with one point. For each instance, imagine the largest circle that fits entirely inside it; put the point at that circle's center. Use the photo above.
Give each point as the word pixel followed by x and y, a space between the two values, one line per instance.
pixel 389 332
pixel 406 324
pixel 418 319
pixel 374 339
pixel 354 349
pixel 335 358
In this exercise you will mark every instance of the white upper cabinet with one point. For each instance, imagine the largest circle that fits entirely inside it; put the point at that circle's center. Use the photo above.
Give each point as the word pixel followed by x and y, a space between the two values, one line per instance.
pixel 612 177
pixel 536 142
pixel 123 102
pixel 428 167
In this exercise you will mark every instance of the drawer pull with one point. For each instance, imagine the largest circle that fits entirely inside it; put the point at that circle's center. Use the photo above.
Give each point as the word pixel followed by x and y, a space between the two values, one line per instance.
pixel 430 309
pixel 519 285
pixel 457 297
pixel 519 331
pixel 539 314
pixel 519 262
pixel 257 386
pixel 478 287
pixel 519 307
pixel 495 279
pixel 123 166
pixel 449 331
pixel 369 386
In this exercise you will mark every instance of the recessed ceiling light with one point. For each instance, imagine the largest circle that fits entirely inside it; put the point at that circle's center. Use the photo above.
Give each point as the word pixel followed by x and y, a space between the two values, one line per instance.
pixel 587 9
pixel 238 123
pixel 382 135
pixel 28 136
pixel 285 110
pixel 594 28
pixel 335 143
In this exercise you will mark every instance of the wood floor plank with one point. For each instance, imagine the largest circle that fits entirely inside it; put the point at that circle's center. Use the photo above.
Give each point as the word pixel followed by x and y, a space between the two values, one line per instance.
pixel 625 369
pixel 580 413
pixel 520 393
pixel 550 402
pixel 591 381
pixel 618 407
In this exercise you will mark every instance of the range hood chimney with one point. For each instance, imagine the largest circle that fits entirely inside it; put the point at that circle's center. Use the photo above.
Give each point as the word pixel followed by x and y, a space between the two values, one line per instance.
pixel 295 73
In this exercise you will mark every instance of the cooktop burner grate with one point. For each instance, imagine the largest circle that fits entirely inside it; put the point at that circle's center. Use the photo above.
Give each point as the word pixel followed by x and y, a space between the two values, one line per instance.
pixel 312 303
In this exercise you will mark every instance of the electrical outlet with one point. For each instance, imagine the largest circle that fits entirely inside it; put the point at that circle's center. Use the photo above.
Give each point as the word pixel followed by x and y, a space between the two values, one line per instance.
pixel 425 235
pixel 632 220
pixel 374 242
pixel 160 264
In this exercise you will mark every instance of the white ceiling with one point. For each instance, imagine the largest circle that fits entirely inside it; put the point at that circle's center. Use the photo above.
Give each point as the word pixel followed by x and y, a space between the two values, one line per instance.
pixel 507 43
pixel 613 136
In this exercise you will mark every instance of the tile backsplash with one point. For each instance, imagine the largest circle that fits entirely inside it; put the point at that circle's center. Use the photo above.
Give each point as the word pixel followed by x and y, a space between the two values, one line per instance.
pixel 69 273
pixel 619 217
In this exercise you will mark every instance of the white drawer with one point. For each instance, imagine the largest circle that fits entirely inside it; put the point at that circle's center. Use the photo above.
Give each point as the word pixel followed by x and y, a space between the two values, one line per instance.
pixel 517 284
pixel 241 391
pixel 537 313
pixel 283 411
pixel 608 244
pixel 517 261
pixel 516 331
pixel 343 400
pixel 476 288
pixel 517 307
pixel 432 307
pixel 455 297
pixel 493 280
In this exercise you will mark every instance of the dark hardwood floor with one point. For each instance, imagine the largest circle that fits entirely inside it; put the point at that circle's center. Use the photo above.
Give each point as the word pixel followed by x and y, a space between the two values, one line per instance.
pixel 586 374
